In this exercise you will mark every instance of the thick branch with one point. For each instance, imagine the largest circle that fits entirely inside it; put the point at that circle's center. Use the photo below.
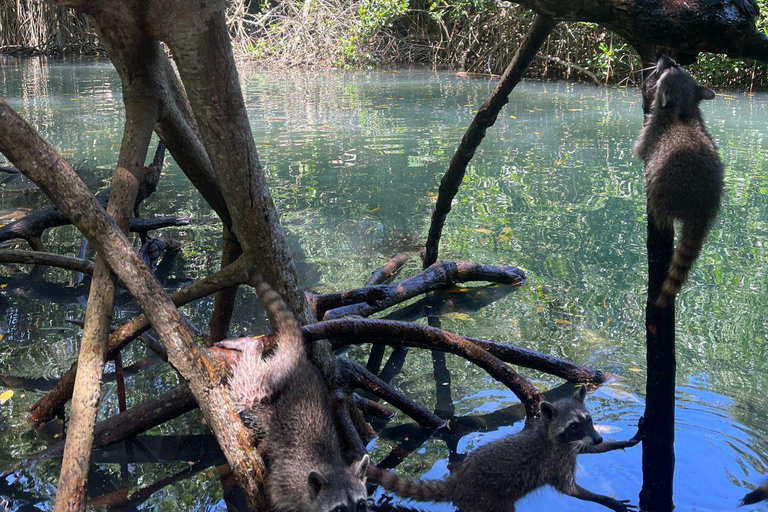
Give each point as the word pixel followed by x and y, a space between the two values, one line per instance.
pixel 39 162
pixel 685 28
pixel 45 409
pixel 389 269
pixel 485 118
pixel 137 419
pixel 372 299
pixel 47 259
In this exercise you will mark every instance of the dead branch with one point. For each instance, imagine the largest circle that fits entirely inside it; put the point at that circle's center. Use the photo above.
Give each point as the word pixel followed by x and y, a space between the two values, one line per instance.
pixel 372 299
pixel 371 408
pixel 484 118
pixel 45 409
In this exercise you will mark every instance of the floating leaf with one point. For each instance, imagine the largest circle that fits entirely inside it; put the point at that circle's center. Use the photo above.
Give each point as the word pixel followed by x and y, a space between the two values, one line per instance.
pixel 575 109
pixel 540 308
pixel 456 315
pixel 457 289
pixel 535 133
pixel 4 285
pixel 506 231
pixel 484 231
pixel 559 162
pixel 636 370
pixel 513 117
pixel 5 396
pixel 504 238
pixel 410 173
pixel 432 195
pixel 381 106
pixel 562 322
pixel 374 210
pixel 531 110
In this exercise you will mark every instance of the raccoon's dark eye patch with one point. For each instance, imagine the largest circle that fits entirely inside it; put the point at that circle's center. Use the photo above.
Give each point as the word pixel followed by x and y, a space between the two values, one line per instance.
pixel 589 419
pixel 340 508
pixel 573 427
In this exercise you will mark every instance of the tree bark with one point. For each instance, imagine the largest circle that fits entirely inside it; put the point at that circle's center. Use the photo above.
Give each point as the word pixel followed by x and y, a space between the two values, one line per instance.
pixel 140 118
pixel 40 163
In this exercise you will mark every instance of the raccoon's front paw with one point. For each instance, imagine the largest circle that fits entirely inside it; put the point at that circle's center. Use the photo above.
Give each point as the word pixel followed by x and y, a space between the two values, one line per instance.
pixel 640 434
pixel 623 506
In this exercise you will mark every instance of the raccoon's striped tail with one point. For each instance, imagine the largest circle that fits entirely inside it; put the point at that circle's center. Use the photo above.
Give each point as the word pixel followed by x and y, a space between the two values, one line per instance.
pixel 420 490
pixel 758 495
pixel 250 384
pixel 685 255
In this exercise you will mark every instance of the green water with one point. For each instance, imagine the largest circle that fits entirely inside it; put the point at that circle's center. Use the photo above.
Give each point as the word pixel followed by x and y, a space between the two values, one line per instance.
pixel 353 161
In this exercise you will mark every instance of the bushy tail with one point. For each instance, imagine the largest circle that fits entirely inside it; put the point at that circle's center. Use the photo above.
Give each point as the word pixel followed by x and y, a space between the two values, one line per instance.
pixel 420 490
pixel 250 384
pixel 759 494
pixel 686 253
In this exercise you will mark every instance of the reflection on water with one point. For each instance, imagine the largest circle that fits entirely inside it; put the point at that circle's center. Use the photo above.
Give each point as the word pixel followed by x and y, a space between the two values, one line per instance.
pixel 354 160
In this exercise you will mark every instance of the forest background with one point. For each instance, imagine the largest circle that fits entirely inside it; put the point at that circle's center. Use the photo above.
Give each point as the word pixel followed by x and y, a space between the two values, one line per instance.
pixel 475 36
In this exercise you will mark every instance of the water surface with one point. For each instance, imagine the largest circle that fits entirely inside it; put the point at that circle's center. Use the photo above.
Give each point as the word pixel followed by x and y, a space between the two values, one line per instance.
pixel 354 160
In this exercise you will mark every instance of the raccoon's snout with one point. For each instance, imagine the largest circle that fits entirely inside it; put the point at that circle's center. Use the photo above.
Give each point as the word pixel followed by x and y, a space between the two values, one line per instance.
pixel 597 439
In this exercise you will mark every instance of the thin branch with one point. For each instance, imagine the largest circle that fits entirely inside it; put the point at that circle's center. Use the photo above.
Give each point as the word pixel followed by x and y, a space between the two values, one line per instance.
pixel 540 29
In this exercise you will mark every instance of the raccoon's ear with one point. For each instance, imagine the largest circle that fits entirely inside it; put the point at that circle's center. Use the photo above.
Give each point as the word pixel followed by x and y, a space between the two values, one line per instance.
pixel 316 481
pixel 705 93
pixel 361 466
pixel 663 97
pixel 548 411
pixel 580 393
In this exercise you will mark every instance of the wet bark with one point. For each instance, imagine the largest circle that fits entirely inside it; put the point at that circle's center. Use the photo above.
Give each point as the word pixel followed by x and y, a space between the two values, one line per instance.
pixel 485 118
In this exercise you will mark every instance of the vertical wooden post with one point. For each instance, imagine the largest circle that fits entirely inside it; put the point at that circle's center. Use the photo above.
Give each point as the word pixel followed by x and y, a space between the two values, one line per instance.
pixel 658 446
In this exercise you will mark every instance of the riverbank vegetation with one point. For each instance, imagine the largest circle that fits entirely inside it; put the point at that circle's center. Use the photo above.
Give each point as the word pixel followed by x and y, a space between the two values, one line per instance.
pixel 476 36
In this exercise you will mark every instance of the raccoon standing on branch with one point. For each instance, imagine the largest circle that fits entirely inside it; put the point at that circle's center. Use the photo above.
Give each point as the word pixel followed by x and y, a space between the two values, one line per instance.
pixel 495 476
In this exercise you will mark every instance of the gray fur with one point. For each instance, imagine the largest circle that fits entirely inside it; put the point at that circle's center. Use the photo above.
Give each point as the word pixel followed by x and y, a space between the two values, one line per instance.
pixel 284 398
pixel 756 496
pixel 496 475
pixel 683 172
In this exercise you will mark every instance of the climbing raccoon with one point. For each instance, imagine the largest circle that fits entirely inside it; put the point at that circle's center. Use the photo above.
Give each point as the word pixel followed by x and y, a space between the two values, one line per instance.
pixel 284 398
pixel 493 477
pixel 683 173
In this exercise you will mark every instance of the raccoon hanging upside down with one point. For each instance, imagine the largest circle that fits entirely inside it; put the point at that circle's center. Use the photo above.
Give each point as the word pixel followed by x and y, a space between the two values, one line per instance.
pixel 683 173
pixel 493 477
pixel 284 398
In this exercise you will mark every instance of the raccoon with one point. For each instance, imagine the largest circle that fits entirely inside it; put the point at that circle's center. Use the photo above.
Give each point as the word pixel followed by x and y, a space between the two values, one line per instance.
pixel 683 172
pixel 493 477
pixel 284 399
pixel 756 496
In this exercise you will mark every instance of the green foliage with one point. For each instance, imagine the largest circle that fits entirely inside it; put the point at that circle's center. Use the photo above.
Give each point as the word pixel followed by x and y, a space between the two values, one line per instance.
pixel 378 14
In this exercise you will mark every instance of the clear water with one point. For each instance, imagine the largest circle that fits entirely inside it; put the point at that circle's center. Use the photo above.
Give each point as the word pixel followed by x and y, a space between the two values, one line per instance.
pixel 354 160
